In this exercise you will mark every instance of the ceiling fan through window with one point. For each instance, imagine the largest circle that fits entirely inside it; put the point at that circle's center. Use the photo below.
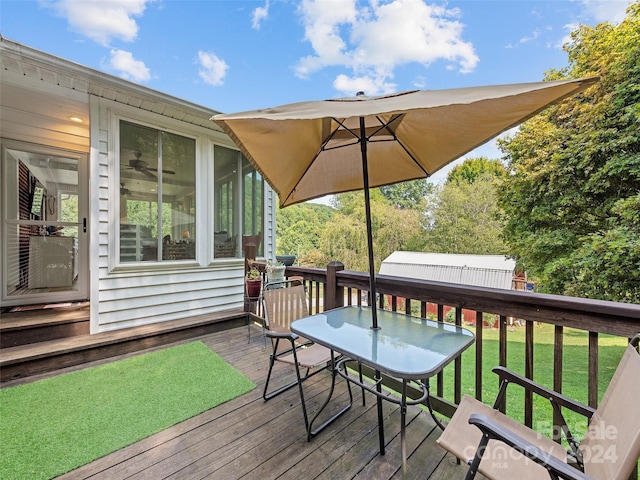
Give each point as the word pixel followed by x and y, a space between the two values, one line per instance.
pixel 143 167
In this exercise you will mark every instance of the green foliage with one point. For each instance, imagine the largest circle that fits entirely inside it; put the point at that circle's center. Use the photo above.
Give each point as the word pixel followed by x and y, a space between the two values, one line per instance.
pixel 145 212
pixel 351 203
pixel 254 274
pixel 461 217
pixel 346 238
pixel 568 208
pixel 299 228
pixel 572 199
pixel 467 219
pixel 472 169
pixel 408 195
pixel 314 258
pixel 69 213
pixel 346 241
pixel 450 317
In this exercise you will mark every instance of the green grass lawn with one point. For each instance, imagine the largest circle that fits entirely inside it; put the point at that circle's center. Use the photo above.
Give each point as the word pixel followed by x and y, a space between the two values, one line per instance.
pixel 574 372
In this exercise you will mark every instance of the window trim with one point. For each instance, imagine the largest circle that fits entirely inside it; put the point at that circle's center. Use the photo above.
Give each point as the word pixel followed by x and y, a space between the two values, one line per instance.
pixel 185 130
pixel 206 140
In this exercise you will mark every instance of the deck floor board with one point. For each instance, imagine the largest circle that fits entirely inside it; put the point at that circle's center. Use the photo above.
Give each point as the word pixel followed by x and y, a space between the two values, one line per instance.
pixel 251 439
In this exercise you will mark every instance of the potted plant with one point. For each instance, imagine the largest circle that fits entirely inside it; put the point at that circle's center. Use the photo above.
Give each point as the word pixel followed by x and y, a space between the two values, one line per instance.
pixel 254 283
pixel 275 271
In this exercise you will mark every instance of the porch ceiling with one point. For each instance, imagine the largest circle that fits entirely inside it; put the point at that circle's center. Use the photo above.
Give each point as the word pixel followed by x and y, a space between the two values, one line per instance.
pixel 29 114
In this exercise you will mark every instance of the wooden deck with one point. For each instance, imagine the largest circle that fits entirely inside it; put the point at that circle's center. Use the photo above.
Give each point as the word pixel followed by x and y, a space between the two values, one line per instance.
pixel 23 325
pixel 251 439
pixel 24 362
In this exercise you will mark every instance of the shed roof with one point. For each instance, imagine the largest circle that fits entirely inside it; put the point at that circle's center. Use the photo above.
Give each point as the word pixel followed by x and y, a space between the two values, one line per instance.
pixel 495 271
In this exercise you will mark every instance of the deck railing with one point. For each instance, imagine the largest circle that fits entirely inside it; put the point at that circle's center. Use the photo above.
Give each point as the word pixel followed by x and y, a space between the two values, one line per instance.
pixel 334 287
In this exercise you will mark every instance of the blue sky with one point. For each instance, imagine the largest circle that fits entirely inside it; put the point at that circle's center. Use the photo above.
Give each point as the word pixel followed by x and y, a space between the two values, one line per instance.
pixel 241 55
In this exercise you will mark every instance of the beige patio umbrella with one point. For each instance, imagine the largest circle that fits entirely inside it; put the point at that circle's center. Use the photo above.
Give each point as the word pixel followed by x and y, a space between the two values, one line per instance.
pixel 310 149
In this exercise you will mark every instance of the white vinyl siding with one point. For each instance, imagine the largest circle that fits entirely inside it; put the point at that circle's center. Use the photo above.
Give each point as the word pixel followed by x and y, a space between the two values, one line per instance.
pixel 135 295
pixel 39 91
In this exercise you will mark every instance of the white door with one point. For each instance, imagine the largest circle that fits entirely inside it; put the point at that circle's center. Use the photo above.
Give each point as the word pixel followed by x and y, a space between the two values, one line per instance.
pixel 44 225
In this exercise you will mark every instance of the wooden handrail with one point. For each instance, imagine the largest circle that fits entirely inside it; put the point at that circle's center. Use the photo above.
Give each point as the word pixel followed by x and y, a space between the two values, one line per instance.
pixel 615 318
pixel 592 316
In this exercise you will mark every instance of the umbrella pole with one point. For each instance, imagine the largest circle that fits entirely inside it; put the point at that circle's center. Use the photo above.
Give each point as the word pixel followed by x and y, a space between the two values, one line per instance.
pixel 367 211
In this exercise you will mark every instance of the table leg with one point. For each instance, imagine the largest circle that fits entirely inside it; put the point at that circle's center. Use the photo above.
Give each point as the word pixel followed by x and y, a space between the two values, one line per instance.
pixel 378 380
pixel 403 428
pixel 364 400
pixel 433 415
pixel 311 432
pixel 404 402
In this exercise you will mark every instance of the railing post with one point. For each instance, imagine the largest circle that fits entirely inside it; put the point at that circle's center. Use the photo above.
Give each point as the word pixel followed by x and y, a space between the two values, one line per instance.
pixel 333 295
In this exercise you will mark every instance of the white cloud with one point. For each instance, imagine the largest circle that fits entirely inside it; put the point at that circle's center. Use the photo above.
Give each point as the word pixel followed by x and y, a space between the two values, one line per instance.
pixel 128 67
pixel 606 10
pixel 420 82
pixel 101 20
pixel 370 86
pixel 566 39
pixel 526 39
pixel 260 14
pixel 213 69
pixel 322 23
pixel 597 11
pixel 373 40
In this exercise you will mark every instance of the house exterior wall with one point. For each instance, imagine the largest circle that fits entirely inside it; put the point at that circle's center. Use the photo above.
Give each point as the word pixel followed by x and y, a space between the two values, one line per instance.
pixel 138 294
pixel 38 91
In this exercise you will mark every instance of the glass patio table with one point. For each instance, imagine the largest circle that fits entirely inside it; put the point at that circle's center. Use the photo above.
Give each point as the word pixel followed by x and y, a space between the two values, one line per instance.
pixel 408 348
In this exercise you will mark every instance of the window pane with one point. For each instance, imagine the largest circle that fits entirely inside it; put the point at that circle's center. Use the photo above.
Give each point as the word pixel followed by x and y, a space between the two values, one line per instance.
pixel 154 165
pixel 253 196
pixel 138 193
pixel 178 176
pixel 226 163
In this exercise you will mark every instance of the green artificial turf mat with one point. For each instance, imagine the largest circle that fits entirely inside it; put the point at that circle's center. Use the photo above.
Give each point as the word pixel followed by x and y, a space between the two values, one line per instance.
pixel 54 425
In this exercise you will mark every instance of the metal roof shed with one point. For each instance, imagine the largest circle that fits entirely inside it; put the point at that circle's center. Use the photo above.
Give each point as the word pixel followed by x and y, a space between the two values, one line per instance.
pixel 495 271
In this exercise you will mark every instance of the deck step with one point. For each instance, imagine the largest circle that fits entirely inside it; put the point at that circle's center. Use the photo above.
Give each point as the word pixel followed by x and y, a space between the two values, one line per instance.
pixel 24 326
pixel 23 361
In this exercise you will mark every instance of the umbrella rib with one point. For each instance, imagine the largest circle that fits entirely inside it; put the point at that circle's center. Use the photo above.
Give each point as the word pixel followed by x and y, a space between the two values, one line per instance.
pixel 385 126
pixel 341 124
pixel 320 150
pixel 413 158
pixel 324 148
pixel 356 136
pixel 370 138
pixel 327 149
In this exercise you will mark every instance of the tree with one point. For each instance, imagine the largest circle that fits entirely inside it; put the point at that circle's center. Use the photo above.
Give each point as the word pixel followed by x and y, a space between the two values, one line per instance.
pixel 471 169
pixel 350 203
pixel 466 217
pixel 408 195
pixel 298 229
pixel 572 200
pixel 345 238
